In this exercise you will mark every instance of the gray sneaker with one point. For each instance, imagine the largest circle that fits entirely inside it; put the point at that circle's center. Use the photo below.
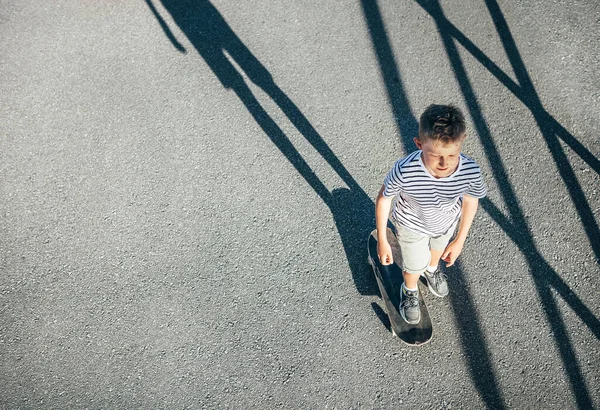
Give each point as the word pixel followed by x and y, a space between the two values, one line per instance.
pixel 409 306
pixel 436 282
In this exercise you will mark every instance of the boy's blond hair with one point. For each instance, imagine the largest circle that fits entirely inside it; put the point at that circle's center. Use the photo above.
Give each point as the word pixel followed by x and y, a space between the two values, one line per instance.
pixel 442 123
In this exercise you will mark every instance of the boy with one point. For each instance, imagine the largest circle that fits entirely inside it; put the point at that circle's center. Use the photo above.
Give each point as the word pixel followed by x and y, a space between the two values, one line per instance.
pixel 435 187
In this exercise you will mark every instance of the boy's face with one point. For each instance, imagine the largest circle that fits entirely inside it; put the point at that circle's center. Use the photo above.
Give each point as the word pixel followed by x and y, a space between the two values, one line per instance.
pixel 441 160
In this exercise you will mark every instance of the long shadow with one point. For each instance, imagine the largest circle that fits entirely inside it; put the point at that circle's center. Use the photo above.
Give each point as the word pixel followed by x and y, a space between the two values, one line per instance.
pixel 352 209
pixel 465 313
pixel 544 276
pixel 408 126
pixel 473 341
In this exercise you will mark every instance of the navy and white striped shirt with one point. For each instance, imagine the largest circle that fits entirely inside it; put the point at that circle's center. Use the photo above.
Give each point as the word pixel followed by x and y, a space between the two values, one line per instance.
pixel 429 205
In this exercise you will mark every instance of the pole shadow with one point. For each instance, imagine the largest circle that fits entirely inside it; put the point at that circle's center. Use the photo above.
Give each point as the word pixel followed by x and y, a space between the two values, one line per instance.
pixel 544 276
pixel 407 124
pixel 473 341
pixel 352 209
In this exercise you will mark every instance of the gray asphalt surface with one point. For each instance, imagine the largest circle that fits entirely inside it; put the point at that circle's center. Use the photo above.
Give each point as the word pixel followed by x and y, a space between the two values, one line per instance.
pixel 187 189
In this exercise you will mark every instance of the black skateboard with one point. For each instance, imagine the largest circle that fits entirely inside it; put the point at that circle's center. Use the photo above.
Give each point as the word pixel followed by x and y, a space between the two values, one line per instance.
pixel 389 279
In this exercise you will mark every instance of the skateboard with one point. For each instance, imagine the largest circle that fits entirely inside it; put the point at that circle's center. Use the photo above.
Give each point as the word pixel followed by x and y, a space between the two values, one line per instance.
pixel 389 279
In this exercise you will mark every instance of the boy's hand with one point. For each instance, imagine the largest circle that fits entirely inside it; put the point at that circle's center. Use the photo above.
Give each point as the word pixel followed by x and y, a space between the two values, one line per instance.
pixel 452 251
pixel 384 251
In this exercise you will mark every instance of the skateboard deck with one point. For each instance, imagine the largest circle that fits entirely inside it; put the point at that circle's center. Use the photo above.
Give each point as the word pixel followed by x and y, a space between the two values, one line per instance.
pixel 389 279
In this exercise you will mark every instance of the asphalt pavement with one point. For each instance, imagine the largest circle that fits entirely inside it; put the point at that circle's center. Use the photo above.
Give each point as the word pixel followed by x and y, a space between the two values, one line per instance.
pixel 187 188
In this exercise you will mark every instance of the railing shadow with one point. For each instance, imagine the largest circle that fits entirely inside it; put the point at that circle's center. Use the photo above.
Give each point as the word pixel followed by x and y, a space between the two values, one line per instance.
pixel 544 276
pixel 352 209
pixel 465 313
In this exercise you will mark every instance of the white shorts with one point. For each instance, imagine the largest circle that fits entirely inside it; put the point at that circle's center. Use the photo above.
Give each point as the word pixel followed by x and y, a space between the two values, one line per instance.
pixel 415 247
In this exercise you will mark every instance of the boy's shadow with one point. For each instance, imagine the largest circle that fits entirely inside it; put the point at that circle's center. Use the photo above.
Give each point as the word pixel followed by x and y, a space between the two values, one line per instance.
pixel 352 209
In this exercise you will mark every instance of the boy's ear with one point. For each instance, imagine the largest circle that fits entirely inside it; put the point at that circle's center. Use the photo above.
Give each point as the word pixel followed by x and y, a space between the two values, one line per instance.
pixel 418 143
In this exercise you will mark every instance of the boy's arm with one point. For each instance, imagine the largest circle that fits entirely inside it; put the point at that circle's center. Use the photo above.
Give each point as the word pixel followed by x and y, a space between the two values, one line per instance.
pixel 382 213
pixel 469 208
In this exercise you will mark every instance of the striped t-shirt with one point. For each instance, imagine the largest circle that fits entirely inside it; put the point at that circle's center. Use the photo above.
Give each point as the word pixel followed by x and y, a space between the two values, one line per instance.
pixel 426 204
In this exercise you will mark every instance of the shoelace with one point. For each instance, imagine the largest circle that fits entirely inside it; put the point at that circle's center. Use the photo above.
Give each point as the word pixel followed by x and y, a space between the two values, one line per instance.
pixel 438 276
pixel 411 300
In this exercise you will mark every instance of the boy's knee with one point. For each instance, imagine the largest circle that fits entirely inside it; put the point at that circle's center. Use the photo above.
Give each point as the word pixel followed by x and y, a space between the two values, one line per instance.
pixel 416 266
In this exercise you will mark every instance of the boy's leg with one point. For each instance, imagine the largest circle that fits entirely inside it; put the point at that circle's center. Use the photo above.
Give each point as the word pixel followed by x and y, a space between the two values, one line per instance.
pixel 411 279
pixel 436 255
pixel 415 258
pixel 436 280
pixel 409 307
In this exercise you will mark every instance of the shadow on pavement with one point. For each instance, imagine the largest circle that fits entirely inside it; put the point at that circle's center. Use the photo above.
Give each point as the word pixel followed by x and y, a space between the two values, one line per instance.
pixel 545 277
pixel 382 316
pixel 352 209
pixel 407 124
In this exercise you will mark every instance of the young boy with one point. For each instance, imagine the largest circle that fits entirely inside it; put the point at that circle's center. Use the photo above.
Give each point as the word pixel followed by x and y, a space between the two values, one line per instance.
pixel 435 187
